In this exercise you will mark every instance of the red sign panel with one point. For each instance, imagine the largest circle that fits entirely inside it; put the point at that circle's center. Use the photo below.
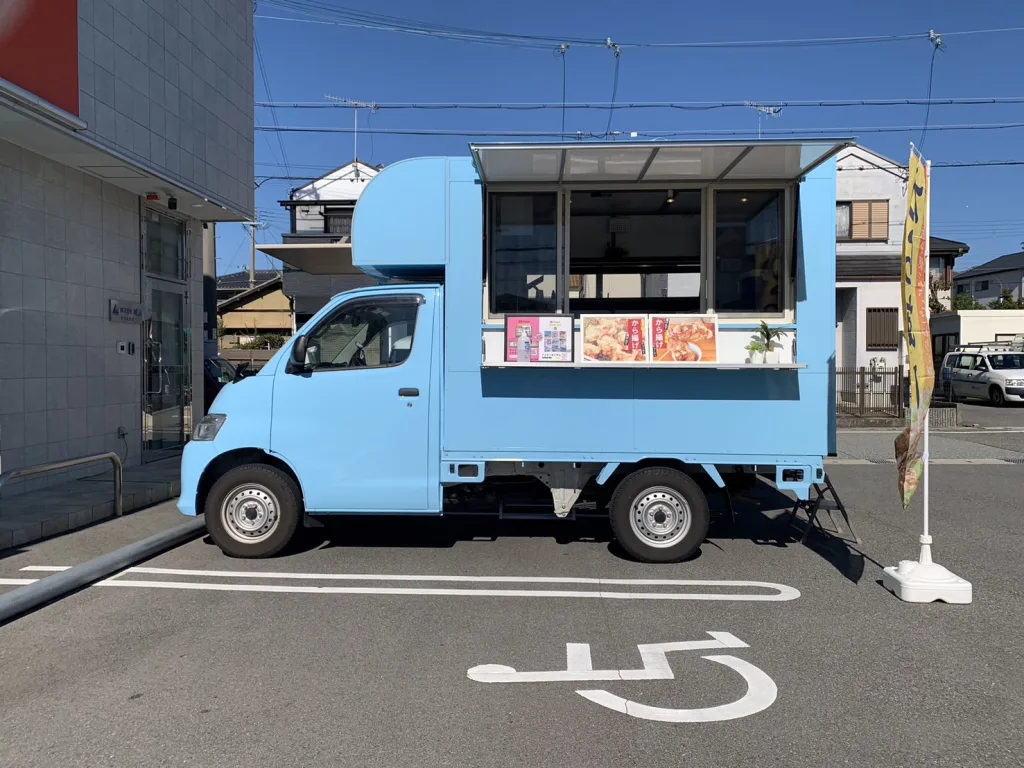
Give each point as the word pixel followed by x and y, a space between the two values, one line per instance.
pixel 39 49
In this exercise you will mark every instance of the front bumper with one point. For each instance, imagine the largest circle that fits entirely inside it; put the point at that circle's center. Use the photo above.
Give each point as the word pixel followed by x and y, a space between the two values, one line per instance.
pixel 194 460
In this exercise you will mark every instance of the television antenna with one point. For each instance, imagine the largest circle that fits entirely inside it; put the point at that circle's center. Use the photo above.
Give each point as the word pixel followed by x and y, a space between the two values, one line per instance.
pixel 764 111
pixel 356 106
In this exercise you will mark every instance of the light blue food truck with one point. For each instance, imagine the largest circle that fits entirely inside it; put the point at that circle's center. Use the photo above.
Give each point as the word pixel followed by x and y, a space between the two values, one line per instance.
pixel 609 326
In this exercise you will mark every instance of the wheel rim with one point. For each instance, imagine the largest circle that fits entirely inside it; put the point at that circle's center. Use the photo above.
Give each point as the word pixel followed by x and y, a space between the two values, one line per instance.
pixel 660 517
pixel 250 514
pixel 997 396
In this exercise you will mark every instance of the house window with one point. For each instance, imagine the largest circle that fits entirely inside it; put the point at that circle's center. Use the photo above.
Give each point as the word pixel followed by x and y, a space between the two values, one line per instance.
pixel 338 221
pixel 883 329
pixel 961 289
pixel 748 252
pixel 981 285
pixel 863 220
pixel 843 221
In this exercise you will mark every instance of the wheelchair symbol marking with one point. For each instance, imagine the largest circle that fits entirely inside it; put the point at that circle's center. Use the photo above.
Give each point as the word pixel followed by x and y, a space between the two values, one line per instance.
pixel 761 689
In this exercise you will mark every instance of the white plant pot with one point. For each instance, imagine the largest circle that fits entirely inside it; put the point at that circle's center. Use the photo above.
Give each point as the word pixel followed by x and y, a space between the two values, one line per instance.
pixel 771 356
pixel 756 358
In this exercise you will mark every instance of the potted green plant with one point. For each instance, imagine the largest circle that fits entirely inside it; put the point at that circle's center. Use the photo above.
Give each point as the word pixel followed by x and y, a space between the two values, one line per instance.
pixel 768 339
pixel 756 349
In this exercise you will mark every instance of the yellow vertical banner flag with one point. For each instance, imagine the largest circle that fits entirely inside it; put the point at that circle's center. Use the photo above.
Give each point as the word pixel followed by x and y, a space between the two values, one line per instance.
pixel 916 333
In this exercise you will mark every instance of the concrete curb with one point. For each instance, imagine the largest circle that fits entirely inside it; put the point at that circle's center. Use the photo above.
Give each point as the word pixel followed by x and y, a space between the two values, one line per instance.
pixel 32 596
pixel 52 515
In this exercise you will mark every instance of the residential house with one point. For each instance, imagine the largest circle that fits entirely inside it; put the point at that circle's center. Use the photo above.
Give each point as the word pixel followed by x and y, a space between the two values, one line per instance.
pixel 988 281
pixel 870 214
pixel 317 253
pixel 261 310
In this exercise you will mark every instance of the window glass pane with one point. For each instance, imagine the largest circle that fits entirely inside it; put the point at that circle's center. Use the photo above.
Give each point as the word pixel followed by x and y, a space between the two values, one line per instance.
pixel 524 254
pixel 748 251
pixel 364 337
pixel 842 221
pixel 165 246
pixel 635 251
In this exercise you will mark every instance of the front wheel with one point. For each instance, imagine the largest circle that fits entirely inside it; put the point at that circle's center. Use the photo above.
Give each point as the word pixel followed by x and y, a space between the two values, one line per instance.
pixel 659 515
pixel 253 511
pixel 995 394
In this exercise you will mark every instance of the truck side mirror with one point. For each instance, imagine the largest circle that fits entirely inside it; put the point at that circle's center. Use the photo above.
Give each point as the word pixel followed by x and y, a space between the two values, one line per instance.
pixel 299 351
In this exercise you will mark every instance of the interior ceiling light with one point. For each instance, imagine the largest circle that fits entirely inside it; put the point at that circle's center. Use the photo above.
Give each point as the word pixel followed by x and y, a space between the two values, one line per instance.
pixel 671 198
pixel 743 199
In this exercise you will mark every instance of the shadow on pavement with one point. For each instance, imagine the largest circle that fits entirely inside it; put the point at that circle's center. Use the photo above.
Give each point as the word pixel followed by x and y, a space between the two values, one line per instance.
pixel 761 514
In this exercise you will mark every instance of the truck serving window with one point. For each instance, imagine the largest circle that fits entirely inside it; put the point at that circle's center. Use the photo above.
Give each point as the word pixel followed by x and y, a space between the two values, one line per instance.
pixel 524 253
pixel 635 251
pixel 365 336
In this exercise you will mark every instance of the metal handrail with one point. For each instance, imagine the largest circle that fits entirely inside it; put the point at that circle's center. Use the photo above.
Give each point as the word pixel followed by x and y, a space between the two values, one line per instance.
pixel 53 466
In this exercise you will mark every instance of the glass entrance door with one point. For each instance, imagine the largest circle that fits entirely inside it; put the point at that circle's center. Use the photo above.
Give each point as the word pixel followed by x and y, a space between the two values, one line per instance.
pixel 167 396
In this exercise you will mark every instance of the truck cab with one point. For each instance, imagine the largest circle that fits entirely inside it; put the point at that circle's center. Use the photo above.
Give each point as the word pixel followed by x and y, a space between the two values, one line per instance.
pixel 476 377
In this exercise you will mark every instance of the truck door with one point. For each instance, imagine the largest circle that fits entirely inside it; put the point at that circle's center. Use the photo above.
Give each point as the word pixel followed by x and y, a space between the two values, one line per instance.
pixel 354 424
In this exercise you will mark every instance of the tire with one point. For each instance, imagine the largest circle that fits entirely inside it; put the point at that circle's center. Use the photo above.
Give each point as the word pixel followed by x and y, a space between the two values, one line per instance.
pixel 995 394
pixel 253 511
pixel 659 515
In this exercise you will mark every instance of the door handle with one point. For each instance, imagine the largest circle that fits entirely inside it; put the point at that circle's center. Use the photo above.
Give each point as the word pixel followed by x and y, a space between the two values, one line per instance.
pixel 409 392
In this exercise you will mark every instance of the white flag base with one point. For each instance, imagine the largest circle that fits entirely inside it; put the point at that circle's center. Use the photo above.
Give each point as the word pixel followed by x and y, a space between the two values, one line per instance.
pixel 922 581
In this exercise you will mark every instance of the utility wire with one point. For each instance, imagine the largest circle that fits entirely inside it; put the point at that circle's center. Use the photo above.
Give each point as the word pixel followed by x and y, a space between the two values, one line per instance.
pixel 648 134
pixel 936 41
pixel 617 52
pixel 696 106
pixel 332 14
pixel 951 165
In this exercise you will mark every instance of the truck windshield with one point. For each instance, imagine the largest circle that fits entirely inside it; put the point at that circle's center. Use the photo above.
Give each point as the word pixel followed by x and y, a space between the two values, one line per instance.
pixel 1006 362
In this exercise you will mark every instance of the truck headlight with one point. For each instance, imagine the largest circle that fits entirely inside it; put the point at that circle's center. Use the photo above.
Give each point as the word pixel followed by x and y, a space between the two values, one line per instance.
pixel 209 426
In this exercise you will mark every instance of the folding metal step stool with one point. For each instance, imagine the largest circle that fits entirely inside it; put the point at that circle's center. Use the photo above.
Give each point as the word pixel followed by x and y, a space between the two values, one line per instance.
pixel 822 504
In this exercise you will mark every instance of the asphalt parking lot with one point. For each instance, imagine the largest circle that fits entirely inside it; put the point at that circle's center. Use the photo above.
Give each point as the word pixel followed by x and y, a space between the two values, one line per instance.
pixel 198 659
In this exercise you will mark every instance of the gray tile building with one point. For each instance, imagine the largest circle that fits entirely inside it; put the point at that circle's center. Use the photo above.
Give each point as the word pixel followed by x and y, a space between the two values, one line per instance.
pixel 103 200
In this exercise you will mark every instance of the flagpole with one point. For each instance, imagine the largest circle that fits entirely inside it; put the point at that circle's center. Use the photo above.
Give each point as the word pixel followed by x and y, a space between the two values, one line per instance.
pixel 926 539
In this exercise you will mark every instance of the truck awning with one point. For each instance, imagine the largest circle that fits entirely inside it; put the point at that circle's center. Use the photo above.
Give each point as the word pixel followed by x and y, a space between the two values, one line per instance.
pixel 667 162
pixel 314 258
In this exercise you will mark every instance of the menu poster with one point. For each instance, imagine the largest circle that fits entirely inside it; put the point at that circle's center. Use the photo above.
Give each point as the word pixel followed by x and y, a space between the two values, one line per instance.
pixel 614 338
pixel 538 338
pixel 684 339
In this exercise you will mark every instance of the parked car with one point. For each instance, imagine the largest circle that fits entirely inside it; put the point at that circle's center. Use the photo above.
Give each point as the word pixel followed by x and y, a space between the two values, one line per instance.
pixel 993 372
pixel 216 373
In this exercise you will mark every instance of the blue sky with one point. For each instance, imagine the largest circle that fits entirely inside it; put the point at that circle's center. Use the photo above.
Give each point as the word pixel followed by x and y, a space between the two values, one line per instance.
pixel 306 61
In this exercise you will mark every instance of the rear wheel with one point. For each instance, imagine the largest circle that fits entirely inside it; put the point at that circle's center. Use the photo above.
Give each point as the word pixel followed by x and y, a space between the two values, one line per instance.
pixel 253 511
pixel 659 515
pixel 995 394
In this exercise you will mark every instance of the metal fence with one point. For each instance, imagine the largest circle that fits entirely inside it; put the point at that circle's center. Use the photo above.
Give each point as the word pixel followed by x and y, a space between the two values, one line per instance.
pixel 870 392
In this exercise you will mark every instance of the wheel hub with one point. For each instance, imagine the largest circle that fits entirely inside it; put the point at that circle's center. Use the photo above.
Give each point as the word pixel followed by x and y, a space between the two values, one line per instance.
pixel 660 517
pixel 250 514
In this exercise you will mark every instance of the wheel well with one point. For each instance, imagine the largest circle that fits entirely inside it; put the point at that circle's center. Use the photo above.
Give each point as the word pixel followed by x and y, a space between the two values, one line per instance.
pixel 237 458
pixel 695 471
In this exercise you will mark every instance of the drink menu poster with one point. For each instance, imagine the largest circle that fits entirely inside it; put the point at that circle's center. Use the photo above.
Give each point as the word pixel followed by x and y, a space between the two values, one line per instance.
pixel 684 339
pixel 614 338
pixel 538 339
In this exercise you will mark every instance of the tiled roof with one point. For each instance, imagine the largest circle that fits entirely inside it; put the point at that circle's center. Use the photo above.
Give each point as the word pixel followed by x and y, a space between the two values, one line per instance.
pixel 239 281
pixel 1001 264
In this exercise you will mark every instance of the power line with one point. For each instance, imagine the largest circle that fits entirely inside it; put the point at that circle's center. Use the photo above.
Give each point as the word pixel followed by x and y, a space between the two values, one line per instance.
pixel 936 41
pixel 950 165
pixel 694 106
pixel 331 14
pixel 648 134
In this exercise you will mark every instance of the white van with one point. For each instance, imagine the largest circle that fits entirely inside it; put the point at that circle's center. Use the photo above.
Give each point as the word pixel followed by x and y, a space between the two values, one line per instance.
pixel 993 372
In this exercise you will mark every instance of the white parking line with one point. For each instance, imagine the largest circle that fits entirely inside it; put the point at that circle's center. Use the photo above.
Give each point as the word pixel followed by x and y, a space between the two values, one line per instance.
pixel 778 592
pixel 17 582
